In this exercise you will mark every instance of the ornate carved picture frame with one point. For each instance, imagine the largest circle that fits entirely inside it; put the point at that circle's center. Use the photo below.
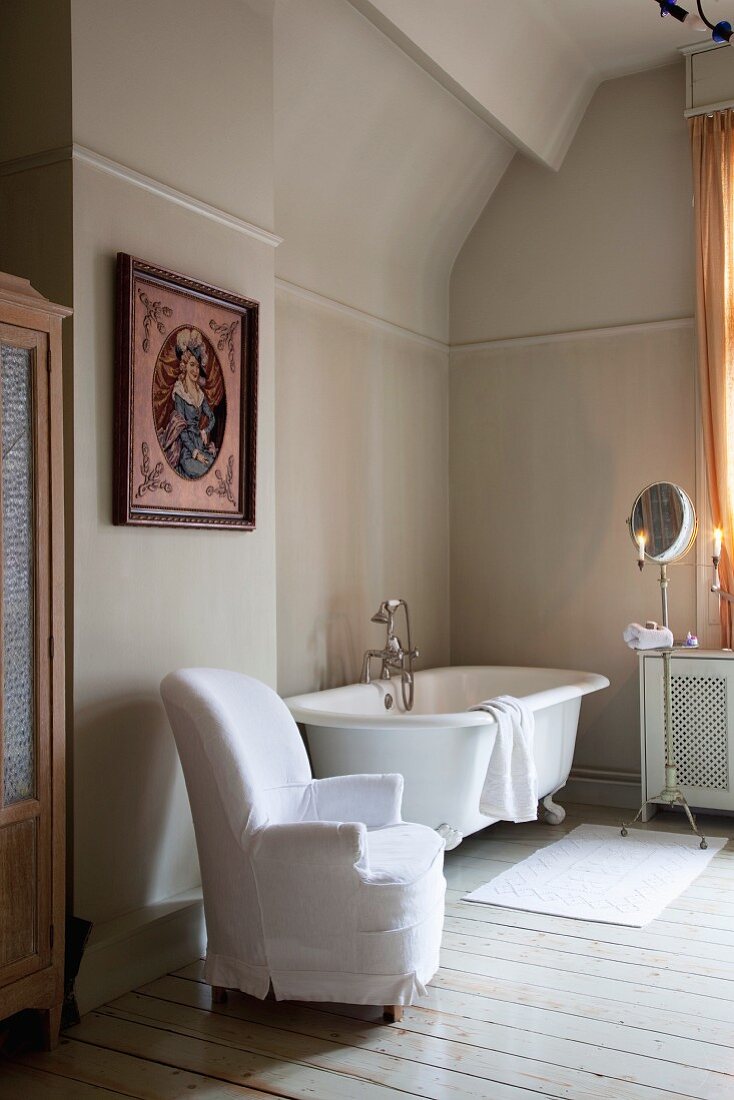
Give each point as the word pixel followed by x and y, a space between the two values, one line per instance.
pixel 185 401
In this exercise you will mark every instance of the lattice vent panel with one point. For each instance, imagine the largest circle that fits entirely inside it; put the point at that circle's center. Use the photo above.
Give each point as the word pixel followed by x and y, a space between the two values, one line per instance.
pixel 700 731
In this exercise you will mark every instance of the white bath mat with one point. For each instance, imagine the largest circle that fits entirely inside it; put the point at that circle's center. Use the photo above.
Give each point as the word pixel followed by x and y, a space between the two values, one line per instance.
pixel 595 874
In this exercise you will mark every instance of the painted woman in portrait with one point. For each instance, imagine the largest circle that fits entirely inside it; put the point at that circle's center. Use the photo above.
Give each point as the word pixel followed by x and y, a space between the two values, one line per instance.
pixel 189 403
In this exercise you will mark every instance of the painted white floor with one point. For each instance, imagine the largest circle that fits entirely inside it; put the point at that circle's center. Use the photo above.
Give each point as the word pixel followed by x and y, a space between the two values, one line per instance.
pixel 524 1005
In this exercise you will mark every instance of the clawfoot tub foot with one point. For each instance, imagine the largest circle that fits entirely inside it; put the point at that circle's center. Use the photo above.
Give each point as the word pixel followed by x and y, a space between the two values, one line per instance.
pixel 554 814
pixel 451 835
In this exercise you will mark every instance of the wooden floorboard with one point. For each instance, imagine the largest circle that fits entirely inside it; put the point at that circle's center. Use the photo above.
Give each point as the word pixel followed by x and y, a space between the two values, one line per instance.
pixel 112 1072
pixel 440 1037
pixel 26 1083
pixel 525 1005
pixel 669 956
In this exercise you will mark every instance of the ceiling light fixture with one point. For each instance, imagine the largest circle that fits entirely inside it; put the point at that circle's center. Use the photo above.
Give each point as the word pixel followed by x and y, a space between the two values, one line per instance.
pixel 720 32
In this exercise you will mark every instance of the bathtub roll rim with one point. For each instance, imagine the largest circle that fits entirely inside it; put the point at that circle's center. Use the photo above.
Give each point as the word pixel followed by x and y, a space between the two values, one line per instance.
pixel 308 708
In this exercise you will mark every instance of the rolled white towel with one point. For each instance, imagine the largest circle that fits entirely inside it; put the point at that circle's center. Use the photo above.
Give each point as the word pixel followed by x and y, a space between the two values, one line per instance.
pixel 641 637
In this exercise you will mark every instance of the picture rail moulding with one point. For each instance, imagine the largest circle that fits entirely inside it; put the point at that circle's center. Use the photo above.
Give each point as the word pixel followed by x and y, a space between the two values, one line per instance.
pixel 86 156
pixel 672 323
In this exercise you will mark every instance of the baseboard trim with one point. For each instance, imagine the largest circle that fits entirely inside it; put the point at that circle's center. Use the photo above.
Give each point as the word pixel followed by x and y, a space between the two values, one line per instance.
pixel 138 947
pixel 602 787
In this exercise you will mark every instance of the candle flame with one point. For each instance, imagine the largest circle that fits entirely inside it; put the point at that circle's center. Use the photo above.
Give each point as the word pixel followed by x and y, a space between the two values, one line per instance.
pixel 718 533
pixel 641 539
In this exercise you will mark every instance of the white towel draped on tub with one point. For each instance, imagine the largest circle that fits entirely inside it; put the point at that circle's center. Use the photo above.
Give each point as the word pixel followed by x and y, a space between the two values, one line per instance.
pixel 510 790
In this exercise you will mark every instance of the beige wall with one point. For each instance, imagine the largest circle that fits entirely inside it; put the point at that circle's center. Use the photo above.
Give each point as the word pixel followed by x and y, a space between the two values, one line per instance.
pixel 186 92
pixel 605 241
pixel 148 601
pixel 362 474
pixel 550 443
pixel 35 104
pixel 380 173
pixel 36 228
pixel 552 439
pixel 35 117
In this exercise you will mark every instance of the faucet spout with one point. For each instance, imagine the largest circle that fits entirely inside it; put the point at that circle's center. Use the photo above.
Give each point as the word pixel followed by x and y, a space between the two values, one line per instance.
pixel 366 677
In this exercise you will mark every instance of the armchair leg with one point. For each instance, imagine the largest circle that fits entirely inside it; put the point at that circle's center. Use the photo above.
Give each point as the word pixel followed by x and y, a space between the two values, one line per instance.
pixel 219 995
pixel 392 1014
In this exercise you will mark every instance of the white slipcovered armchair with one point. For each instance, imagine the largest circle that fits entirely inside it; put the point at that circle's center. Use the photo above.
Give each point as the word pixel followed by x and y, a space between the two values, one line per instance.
pixel 315 887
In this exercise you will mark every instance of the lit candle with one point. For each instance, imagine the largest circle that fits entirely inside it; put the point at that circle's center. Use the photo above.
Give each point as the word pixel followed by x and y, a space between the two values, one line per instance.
pixel 641 540
pixel 717 542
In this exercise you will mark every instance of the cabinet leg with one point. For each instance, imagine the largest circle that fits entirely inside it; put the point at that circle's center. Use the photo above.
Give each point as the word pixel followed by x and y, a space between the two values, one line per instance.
pixel 649 811
pixel 219 995
pixel 50 1026
pixel 392 1014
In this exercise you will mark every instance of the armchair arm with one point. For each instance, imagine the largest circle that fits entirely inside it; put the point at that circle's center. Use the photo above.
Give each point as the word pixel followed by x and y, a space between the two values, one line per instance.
pixel 308 883
pixel 374 800
pixel 312 843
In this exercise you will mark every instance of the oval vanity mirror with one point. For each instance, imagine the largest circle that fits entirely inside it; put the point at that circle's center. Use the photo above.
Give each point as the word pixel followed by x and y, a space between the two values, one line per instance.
pixel 664 515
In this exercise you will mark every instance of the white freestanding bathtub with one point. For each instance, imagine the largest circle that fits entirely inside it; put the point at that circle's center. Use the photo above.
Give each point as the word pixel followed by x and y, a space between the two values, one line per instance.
pixel 441 749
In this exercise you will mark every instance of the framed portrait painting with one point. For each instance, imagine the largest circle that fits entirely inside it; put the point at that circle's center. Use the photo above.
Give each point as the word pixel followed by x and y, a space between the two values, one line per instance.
pixel 186 401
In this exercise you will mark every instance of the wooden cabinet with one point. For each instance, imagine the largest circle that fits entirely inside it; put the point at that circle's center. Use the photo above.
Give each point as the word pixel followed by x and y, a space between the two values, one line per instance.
pixel 32 783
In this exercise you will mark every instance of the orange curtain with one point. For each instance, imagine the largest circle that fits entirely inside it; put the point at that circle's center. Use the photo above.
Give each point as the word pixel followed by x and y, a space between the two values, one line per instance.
pixel 712 140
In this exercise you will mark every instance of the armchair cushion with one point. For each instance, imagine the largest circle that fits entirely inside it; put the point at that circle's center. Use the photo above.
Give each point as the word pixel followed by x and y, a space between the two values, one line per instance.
pixel 401 855
pixel 373 799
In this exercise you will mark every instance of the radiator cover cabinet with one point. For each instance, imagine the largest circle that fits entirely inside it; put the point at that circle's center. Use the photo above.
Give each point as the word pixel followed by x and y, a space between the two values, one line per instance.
pixel 702 689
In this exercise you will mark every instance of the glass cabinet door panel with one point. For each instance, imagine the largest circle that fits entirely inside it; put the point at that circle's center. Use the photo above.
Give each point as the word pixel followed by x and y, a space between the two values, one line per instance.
pixel 18 642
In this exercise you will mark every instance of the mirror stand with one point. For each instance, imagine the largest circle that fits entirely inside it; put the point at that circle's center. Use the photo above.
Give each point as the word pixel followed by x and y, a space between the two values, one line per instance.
pixel 671 794
pixel 680 527
pixel 664 592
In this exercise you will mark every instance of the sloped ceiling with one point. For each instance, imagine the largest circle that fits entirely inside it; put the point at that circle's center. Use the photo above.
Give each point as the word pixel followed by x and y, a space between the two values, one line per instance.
pixel 529 67
pixel 379 174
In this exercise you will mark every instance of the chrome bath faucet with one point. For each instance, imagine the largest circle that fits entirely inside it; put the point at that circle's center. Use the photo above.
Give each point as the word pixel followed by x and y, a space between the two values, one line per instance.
pixel 393 657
